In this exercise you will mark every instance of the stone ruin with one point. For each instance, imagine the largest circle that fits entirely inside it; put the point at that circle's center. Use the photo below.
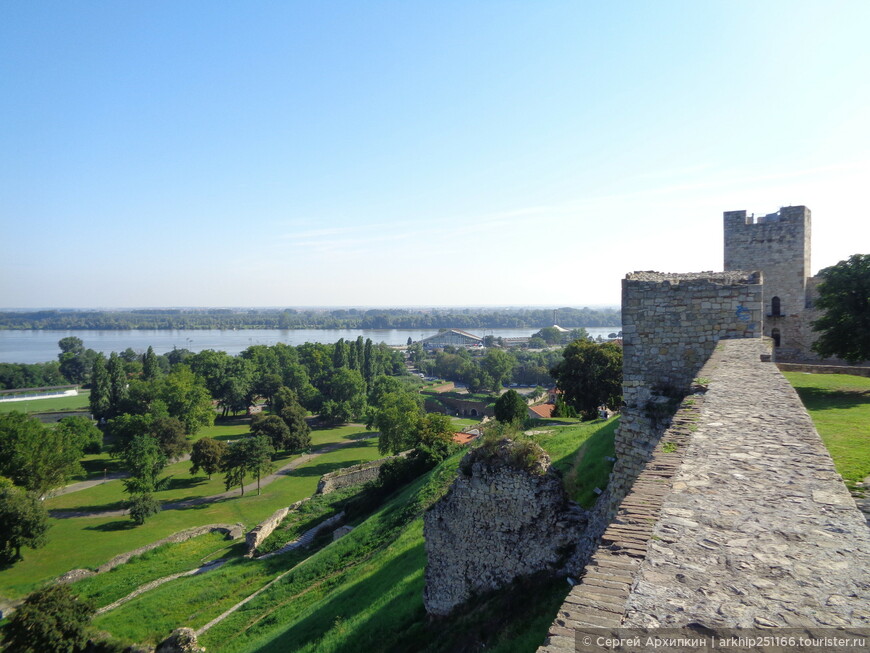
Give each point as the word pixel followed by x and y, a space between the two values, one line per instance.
pixel 506 516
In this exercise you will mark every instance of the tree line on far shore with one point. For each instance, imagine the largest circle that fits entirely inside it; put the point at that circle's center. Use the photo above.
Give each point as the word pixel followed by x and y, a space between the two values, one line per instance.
pixel 351 318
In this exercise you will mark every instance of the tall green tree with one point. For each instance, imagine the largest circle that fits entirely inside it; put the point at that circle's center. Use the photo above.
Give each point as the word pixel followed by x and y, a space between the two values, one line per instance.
pixel 251 455
pixel 117 382
pixel 101 395
pixel 144 459
pixel 150 366
pixel 50 619
pixel 368 361
pixel 259 455
pixel 235 466
pixel 398 421
pixel 589 376
pixel 340 354
pixel 23 522
pixel 82 431
pixel 844 296
pixel 273 427
pixel 345 393
pixel 208 455
pixel 187 399
pixel 358 354
pixel 171 437
pixel 300 432
pixel 511 408
pixel 498 365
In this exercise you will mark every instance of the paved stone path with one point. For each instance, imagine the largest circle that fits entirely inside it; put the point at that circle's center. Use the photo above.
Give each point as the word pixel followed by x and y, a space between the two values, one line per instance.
pixel 189 503
pixel 752 529
pixel 759 530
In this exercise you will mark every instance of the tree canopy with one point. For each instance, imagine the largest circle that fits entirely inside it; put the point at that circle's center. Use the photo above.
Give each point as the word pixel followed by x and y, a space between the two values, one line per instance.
pixel 23 522
pixel 511 407
pixel 589 376
pixel 844 296
pixel 50 619
pixel 37 457
pixel 208 455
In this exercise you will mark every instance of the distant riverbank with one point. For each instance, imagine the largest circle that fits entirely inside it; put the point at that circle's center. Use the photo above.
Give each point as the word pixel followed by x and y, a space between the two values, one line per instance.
pixel 39 346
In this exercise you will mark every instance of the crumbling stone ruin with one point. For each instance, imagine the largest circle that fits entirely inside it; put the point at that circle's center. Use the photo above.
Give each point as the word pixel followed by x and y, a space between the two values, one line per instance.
pixel 506 516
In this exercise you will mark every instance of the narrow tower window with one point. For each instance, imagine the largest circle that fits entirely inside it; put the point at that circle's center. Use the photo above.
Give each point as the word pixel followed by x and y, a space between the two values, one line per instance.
pixel 775 307
pixel 776 337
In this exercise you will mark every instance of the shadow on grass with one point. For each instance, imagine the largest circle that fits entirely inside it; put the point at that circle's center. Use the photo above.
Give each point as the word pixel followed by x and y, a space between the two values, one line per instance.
pixel 322 468
pixel 176 483
pixel 119 525
pixel 104 507
pixel 364 435
pixel 818 399
pixel 352 600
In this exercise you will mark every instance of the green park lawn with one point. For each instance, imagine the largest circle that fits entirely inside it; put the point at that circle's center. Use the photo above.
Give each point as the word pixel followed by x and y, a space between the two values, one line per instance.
pixel 51 405
pixel 839 405
pixel 89 541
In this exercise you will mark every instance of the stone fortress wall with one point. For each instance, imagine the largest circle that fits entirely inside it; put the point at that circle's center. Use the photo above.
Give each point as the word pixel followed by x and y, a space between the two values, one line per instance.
pixel 738 520
pixel 671 324
pixel 693 344
pixel 779 245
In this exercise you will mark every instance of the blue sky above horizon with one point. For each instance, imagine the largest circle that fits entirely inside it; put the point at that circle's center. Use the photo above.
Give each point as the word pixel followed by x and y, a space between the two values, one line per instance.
pixel 415 153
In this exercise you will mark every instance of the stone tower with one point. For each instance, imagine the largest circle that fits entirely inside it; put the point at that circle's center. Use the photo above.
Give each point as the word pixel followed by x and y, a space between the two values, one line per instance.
pixel 778 244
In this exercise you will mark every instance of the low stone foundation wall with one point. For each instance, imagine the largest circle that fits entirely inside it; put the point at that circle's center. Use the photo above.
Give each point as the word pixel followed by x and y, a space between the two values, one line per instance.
pixel 233 531
pixel 354 475
pixel 824 369
pixel 257 535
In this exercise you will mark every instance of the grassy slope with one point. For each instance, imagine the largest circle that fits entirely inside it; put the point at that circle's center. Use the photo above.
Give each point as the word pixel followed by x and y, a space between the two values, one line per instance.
pixel 167 559
pixel 88 542
pixel 354 596
pixel 840 407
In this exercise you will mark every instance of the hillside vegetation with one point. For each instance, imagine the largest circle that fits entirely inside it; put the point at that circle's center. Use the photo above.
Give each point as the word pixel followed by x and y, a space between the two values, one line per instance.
pixel 362 592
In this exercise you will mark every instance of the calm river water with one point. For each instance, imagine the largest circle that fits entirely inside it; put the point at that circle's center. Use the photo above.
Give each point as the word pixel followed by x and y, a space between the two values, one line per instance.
pixel 41 346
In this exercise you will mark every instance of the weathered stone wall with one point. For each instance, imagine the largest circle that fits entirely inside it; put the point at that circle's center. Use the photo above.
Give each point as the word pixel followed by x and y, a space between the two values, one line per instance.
pixel 739 520
pixel 862 369
pixel 465 407
pixel 499 521
pixel 354 475
pixel 257 535
pixel 670 326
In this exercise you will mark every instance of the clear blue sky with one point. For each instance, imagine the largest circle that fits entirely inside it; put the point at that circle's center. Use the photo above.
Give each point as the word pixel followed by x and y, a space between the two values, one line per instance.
pixel 415 153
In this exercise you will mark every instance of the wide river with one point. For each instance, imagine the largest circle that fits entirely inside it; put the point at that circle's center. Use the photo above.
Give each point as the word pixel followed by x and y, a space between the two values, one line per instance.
pixel 37 346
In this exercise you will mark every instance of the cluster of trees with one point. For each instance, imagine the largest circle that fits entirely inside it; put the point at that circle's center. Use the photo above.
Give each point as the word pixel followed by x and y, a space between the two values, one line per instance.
pixel 550 335
pixel 844 296
pixel 589 376
pixel 35 459
pixel 397 318
pixel 490 370
pixel 40 458
pixel 330 380
pixel 30 375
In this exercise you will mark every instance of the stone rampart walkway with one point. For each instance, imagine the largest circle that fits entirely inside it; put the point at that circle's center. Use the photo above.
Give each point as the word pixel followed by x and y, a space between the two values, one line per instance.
pixel 753 529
